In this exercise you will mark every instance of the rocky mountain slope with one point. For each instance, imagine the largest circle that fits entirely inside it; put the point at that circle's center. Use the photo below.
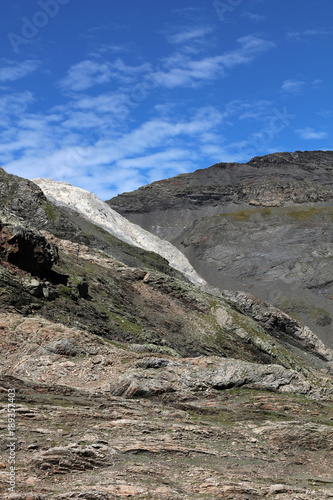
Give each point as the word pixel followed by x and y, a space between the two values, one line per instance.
pixel 131 381
pixel 263 227
pixel 98 212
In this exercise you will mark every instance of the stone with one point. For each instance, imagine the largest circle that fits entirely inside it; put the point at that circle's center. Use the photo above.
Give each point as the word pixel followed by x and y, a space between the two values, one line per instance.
pixel 35 288
pixel 65 347
pixel 49 293
pixel 73 457
pixel 205 374
pixel 83 288
pixel 27 249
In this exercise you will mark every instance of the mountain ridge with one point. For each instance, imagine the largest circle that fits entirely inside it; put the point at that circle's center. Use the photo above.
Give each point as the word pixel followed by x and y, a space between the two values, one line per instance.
pixel 264 227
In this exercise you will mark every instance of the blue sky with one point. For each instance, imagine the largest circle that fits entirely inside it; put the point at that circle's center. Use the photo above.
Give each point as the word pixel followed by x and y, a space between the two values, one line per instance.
pixel 112 95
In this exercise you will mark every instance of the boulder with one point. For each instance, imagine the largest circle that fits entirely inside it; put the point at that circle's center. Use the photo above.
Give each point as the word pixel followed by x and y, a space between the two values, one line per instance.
pixel 83 288
pixel 27 249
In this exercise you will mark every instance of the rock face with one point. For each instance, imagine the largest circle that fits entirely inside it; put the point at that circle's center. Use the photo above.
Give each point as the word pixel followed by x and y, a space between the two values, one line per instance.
pixel 274 180
pixel 204 374
pixel 276 320
pixel 27 249
pixel 98 212
pixel 263 227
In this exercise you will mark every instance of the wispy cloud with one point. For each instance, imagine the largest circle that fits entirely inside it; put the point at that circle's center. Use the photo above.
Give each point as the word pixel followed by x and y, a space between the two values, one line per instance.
pixel 299 85
pixel 310 133
pixel 300 36
pixel 293 86
pixel 92 138
pixel 189 34
pixel 109 162
pixel 252 16
pixel 11 71
pixel 13 104
pixel 258 110
pixel 88 73
pixel 109 48
pixel 181 70
pixel 156 148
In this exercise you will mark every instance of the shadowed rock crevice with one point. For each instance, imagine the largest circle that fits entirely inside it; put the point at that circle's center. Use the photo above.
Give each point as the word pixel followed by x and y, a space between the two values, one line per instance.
pixel 27 249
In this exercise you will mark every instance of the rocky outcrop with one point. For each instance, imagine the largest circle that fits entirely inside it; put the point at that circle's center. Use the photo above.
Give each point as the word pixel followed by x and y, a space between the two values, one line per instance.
pixel 26 249
pixel 155 312
pixel 279 323
pixel 131 381
pixel 272 180
pixel 157 376
pixel 24 201
pixel 72 458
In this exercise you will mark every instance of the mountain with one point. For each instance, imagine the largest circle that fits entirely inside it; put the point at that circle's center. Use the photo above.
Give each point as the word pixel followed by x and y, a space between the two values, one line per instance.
pixel 133 377
pixel 264 227
pixel 99 213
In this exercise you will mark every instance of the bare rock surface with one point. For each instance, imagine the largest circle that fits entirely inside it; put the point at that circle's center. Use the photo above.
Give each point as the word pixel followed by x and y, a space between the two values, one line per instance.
pixel 205 374
pixel 26 248
pixel 202 427
pixel 275 319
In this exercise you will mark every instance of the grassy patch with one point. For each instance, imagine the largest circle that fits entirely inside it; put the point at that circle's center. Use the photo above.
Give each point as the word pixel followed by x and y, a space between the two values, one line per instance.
pixel 50 210
pixel 307 213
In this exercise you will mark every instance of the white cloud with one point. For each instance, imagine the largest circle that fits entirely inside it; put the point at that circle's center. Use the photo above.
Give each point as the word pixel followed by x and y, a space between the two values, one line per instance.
pixel 180 70
pixel 189 34
pixel 156 148
pixel 11 71
pixel 256 110
pixel 115 103
pixel 82 120
pixel 296 86
pixel 110 48
pixel 300 36
pixel 317 83
pixel 252 16
pixel 92 139
pixel 293 86
pixel 155 159
pixel 310 133
pixel 88 73
pixel 13 104
pixel 85 74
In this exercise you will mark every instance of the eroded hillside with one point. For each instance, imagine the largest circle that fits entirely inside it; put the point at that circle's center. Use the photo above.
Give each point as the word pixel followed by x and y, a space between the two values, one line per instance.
pixel 264 227
pixel 131 381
